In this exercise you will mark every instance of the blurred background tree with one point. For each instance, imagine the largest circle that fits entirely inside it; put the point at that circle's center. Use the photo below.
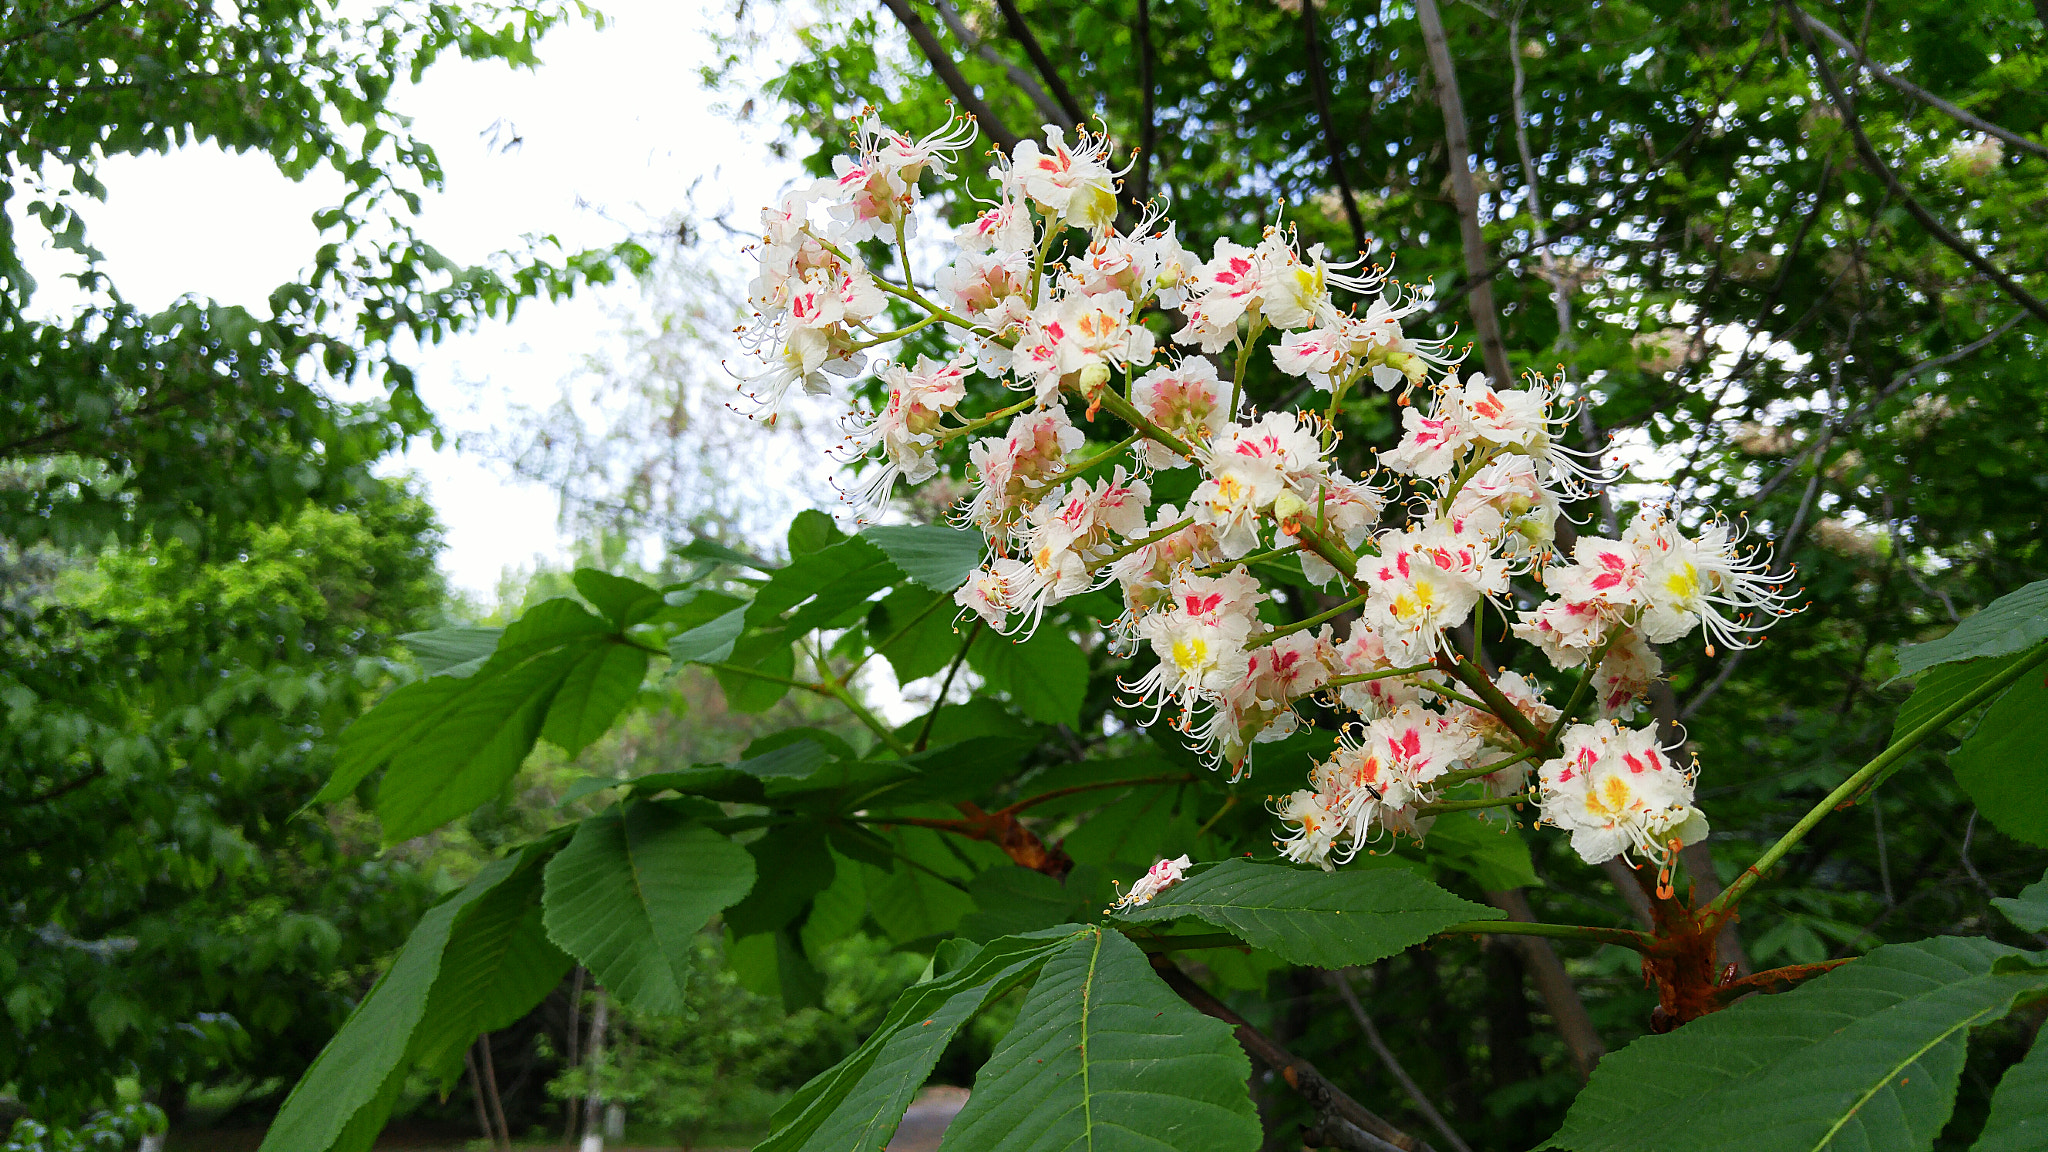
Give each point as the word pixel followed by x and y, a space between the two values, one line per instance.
pixel 200 578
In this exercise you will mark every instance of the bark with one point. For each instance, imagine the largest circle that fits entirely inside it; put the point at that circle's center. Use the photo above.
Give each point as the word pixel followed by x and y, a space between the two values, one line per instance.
pixel 1148 125
pixel 1485 319
pixel 490 1078
pixel 1555 985
pixel 1508 1028
pixel 1334 143
pixel 593 1100
pixel 1799 15
pixel 572 1051
pixel 1024 81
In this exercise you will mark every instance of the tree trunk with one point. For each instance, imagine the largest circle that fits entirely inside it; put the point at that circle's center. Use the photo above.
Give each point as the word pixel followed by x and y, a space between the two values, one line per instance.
pixel 593 1101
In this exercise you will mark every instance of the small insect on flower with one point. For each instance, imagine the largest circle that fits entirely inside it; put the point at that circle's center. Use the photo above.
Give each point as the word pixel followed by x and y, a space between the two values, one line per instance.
pixel 1156 879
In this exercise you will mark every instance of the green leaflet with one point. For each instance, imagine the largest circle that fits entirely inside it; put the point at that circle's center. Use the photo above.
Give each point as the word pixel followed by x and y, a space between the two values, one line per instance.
pixel 710 642
pixel 628 892
pixel 2019 1108
pixel 1010 900
pixel 472 963
pixel 869 1114
pixel 449 742
pixel 464 748
pixel 2004 764
pixel 1007 960
pixel 1105 1057
pixel 911 904
pixel 1327 920
pixel 1046 676
pixel 2011 623
pixel 1942 686
pixel 822 584
pixel 792 864
pixel 2028 910
pixel 497 966
pixel 1866 1057
pixel 624 602
pixel 811 531
pixel 452 651
pixel 913 630
pixel 1493 854
pixel 765 652
pixel 938 557
pixel 597 688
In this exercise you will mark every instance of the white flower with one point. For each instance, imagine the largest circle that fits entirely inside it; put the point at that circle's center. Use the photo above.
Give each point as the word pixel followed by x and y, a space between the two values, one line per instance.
pixel 1186 399
pixel 1690 581
pixel 1315 828
pixel 1614 791
pixel 1430 445
pixel 1073 184
pixel 1156 879
pixel 1627 670
pixel 1199 638
pixel 1427 579
pixel 905 427
pixel 1010 470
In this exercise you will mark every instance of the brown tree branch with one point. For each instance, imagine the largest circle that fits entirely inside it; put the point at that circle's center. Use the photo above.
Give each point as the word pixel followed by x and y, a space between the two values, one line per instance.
pixel 1025 82
pixel 1039 60
pixel 69 786
pixel 1484 316
pixel 1799 15
pixel 1319 83
pixel 1934 227
pixel 1555 985
pixel 949 74
pixel 1330 1102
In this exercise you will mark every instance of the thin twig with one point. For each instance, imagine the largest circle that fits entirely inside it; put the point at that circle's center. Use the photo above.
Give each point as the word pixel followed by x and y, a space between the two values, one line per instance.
pixel 1329 1101
pixel 1914 90
pixel 1935 228
pixel 1341 981
pixel 1320 85
pixel 1148 115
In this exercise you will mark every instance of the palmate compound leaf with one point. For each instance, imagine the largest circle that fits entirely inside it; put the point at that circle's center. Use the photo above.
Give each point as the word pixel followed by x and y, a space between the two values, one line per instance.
pixel 448 743
pixel 1866 1057
pixel 852 1099
pixel 631 889
pixel 1105 1057
pixel 2013 622
pixel 476 961
pixel 1328 920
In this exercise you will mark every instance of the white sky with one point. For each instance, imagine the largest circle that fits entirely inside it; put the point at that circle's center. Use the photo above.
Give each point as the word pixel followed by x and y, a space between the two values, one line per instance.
pixel 615 130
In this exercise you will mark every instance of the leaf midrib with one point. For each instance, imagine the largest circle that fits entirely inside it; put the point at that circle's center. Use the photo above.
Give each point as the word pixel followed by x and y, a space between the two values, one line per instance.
pixel 1895 1069
pixel 1087 1007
